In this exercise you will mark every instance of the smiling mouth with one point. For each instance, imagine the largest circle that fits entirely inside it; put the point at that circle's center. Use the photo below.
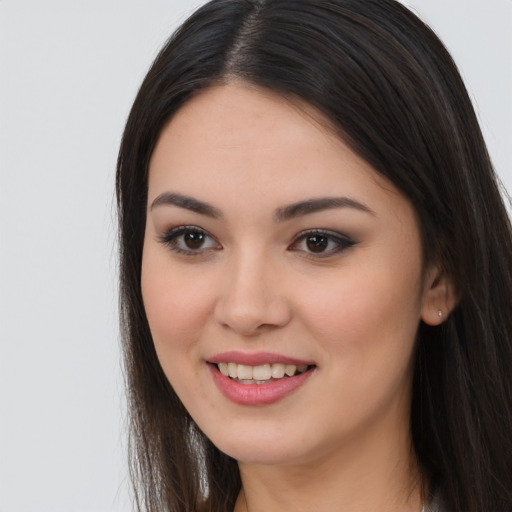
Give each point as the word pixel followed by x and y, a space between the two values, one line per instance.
pixel 261 374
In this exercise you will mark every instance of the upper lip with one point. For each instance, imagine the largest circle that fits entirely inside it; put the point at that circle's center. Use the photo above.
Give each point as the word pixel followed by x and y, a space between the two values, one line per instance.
pixel 256 358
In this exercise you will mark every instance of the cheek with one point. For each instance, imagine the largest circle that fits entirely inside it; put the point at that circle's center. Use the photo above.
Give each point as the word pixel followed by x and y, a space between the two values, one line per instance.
pixel 177 302
pixel 367 329
pixel 365 314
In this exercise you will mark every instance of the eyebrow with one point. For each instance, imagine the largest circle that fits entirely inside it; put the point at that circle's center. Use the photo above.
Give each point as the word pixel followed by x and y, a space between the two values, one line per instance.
pixel 315 205
pixel 189 203
pixel 281 214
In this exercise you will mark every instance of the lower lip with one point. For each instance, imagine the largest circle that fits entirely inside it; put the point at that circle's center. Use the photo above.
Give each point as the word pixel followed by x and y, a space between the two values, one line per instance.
pixel 257 394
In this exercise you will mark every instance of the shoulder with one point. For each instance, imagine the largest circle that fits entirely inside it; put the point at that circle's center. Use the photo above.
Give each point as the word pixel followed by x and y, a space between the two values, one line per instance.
pixel 435 503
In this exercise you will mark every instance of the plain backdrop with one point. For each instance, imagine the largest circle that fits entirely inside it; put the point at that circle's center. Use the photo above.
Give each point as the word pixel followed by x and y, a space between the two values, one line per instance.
pixel 69 71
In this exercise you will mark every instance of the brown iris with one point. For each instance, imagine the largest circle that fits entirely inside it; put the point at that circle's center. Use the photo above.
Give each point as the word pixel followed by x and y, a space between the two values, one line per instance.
pixel 194 240
pixel 317 243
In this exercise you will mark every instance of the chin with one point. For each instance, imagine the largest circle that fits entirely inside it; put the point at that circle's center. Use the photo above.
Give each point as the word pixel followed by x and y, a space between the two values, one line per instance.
pixel 263 444
pixel 259 453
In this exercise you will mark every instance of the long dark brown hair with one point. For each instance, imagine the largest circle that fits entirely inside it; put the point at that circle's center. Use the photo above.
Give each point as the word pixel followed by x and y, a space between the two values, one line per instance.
pixel 392 91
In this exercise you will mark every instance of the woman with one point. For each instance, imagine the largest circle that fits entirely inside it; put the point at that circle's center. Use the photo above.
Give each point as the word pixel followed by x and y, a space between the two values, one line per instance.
pixel 315 269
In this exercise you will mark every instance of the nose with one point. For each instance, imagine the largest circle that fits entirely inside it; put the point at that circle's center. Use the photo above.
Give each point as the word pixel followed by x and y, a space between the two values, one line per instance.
pixel 253 297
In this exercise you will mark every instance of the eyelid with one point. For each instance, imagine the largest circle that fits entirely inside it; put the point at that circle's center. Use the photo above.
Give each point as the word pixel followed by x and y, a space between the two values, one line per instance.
pixel 171 236
pixel 344 242
pixel 171 239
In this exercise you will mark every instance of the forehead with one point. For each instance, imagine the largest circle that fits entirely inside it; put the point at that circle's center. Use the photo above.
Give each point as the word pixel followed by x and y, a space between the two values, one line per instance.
pixel 246 144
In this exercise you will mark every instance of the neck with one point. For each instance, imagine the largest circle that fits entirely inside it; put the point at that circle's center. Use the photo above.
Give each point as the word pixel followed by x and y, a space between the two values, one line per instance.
pixel 372 477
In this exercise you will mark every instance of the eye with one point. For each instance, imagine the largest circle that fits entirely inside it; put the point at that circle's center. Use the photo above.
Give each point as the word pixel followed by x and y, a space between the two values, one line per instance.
pixel 321 243
pixel 189 240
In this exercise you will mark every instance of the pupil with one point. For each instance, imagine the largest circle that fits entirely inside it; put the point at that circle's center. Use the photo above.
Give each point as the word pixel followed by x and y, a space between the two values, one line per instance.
pixel 317 243
pixel 194 240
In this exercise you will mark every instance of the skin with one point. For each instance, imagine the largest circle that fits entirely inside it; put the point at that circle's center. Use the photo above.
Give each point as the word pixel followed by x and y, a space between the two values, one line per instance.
pixel 342 440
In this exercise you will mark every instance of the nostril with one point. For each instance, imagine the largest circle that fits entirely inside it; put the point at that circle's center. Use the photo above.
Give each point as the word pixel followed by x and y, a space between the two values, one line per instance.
pixel 252 319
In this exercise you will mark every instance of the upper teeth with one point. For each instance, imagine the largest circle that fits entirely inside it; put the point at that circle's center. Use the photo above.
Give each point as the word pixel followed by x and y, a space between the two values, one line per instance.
pixel 260 372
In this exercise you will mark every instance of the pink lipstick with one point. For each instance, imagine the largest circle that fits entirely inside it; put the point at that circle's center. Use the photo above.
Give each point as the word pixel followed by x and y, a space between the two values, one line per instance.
pixel 258 378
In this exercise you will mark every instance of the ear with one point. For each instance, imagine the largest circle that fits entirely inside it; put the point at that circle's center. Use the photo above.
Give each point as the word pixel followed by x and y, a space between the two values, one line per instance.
pixel 439 296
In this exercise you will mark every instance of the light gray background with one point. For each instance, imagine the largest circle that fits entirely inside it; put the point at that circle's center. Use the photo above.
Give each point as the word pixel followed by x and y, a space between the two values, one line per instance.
pixel 68 73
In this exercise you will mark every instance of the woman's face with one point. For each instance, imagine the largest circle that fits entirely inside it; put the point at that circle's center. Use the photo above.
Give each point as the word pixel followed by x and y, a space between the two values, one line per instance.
pixel 272 249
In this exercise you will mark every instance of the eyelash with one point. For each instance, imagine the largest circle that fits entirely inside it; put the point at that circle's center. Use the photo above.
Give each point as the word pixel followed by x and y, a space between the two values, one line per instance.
pixel 175 243
pixel 172 240
pixel 342 242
